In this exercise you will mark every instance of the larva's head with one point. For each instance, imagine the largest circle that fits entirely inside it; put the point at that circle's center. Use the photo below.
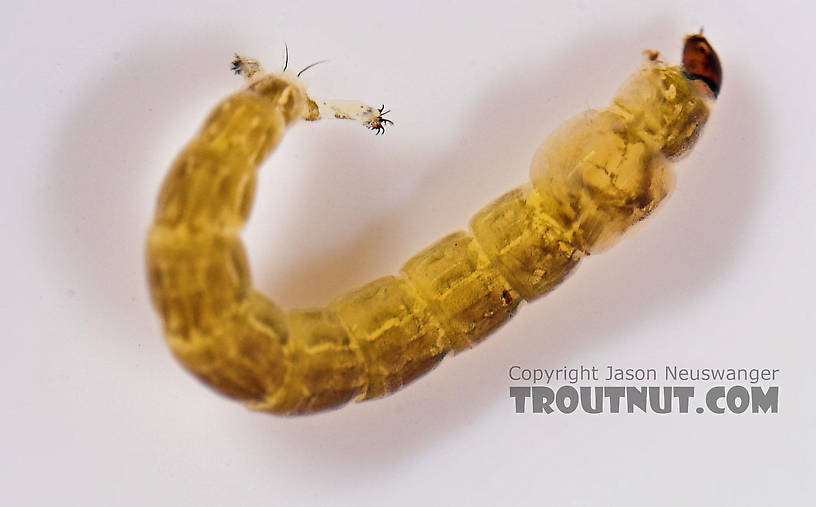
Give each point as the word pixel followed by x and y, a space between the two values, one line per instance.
pixel 702 74
pixel 700 63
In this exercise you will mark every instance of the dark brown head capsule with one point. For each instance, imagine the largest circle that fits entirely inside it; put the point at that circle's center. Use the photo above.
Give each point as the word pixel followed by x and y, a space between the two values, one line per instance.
pixel 701 62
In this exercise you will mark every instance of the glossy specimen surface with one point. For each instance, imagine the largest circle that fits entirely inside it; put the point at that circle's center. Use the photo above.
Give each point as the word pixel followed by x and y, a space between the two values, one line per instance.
pixel 591 180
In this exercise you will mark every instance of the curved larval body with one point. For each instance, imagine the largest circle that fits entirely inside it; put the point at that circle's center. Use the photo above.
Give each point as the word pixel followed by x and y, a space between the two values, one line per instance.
pixel 591 180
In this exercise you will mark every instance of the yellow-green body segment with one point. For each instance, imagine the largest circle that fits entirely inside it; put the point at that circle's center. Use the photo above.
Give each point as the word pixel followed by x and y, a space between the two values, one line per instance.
pixel 594 178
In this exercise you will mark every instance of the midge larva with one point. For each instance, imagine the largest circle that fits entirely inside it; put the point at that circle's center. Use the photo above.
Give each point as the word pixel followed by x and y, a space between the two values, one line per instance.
pixel 591 180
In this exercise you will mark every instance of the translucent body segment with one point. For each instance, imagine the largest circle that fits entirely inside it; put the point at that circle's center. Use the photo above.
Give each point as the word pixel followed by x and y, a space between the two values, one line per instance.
pixel 662 108
pixel 326 368
pixel 243 128
pixel 205 194
pixel 604 171
pixel 243 356
pixel 397 335
pixel 597 178
pixel 532 251
pixel 284 92
pixel 469 296
pixel 195 281
pixel 211 184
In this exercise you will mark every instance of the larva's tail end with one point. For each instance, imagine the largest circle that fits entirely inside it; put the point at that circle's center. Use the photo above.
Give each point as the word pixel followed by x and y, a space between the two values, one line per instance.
pixel 245 66
pixel 378 122
pixel 372 118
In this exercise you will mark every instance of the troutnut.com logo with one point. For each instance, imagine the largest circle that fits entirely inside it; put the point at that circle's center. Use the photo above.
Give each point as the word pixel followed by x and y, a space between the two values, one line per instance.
pixel 642 390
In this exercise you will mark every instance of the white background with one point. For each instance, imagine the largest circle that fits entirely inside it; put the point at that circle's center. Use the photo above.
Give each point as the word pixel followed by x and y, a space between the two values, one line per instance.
pixel 98 97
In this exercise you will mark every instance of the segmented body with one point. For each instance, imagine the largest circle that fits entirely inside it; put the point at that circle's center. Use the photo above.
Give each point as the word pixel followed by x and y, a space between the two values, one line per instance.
pixel 591 180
